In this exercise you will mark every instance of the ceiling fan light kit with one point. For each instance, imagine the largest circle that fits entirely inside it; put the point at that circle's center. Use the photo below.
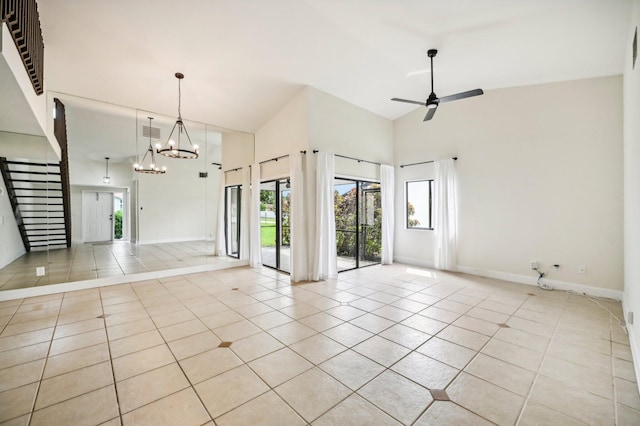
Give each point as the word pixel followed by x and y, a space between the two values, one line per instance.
pixel 433 101
pixel 177 147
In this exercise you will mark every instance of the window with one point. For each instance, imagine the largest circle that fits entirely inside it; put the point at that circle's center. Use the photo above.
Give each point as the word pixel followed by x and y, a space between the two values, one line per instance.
pixel 419 204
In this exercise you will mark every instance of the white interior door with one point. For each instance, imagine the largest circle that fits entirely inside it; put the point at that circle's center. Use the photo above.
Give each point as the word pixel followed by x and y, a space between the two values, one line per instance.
pixel 97 214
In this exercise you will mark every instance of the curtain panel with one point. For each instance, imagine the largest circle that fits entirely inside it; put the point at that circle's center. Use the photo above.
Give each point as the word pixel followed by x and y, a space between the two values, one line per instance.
pixel 445 215
pixel 255 244
pixel 298 222
pixel 387 190
pixel 325 261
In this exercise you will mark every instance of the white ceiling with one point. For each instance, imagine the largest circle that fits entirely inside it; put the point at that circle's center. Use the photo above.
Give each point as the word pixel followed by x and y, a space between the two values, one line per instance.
pixel 245 59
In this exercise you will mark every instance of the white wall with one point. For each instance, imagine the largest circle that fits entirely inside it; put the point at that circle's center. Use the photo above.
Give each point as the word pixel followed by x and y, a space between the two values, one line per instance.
pixel 17 146
pixel 90 173
pixel 632 189
pixel 540 178
pixel 11 246
pixel 339 127
pixel 237 151
pixel 37 103
pixel 35 148
pixel 172 206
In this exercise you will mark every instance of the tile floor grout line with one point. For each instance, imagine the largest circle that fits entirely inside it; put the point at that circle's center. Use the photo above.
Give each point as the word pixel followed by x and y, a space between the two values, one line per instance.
pixel 175 292
pixel 113 372
pixel 44 365
pixel 544 355
pixel 477 352
pixel 191 385
pixel 613 374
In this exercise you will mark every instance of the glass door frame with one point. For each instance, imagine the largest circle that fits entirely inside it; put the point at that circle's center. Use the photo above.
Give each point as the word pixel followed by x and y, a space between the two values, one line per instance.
pixel 359 248
pixel 278 223
pixel 238 219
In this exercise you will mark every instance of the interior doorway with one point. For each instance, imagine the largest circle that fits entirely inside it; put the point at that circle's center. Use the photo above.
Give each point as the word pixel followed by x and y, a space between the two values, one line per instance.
pixel 275 216
pixel 97 216
pixel 358 212
pixel 232 210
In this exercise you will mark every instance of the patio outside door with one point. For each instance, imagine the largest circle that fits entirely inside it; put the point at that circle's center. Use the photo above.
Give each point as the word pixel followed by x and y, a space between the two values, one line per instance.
pixel 275 202
pixel 232 219
pixel 358 211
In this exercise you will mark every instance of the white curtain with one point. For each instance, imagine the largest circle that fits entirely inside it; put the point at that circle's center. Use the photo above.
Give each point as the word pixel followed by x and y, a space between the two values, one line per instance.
pixel 220 248
pixel 245 214
pixel 255 247
pixel 445 215
pixel 387 199
pixel 298 220
pixel 325 262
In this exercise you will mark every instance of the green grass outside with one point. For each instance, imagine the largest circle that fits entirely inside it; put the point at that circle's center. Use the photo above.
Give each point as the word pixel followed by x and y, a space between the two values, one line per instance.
pixel 268 232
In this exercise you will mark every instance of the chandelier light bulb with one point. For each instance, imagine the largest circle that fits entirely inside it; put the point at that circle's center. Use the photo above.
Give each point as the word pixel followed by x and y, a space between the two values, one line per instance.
pixel 181 148
pixel 153 167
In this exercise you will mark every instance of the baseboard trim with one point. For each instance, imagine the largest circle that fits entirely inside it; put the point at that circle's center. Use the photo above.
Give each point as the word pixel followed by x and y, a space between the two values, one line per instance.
pixel 171 240
pixel 414 261
pixel 115 280
pixel 522 279
pixel 635 350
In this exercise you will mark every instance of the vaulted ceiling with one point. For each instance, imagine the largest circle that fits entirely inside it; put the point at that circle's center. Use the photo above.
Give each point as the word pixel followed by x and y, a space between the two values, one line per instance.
pixel 243 60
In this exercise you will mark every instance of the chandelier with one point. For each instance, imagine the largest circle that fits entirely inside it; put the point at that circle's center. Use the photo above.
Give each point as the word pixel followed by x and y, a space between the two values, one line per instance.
pixel 178 146
pixel 153 167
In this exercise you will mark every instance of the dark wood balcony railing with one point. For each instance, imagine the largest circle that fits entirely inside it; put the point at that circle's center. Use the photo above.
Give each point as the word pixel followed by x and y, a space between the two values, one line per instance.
pixel 23 21
pixel 60 132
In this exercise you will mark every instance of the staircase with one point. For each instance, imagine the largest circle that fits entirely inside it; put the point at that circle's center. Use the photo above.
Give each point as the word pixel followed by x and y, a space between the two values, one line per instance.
pixel 37 195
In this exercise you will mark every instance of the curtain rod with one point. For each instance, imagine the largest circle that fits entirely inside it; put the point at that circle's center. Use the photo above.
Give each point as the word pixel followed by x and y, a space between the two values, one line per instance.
pixel 423 162
pixel 217 164
pixel 351 158
pixel 233 170
pixel 277 158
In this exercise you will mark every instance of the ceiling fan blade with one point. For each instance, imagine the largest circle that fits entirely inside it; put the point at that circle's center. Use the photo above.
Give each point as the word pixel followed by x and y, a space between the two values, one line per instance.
pixel 430 113
pixel 462 95
pixel 408 101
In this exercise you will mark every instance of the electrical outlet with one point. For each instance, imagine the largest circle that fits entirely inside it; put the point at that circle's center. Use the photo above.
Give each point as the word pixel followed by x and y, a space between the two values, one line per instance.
pixel 534 265
pixel 40 271
pixel 630 318
pixel 582 269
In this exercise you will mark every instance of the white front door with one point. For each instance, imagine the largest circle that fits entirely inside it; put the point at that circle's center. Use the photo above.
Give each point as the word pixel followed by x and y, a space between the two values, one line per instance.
pixel 97 214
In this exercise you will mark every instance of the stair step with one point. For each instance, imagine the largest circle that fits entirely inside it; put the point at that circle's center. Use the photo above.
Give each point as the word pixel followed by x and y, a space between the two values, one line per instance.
pixel 29 172
pixel 36 196
pixel 26 163
pixel 34 181
pixel 48 244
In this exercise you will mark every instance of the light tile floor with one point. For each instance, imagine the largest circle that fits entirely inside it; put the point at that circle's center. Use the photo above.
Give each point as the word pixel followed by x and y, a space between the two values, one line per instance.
pixel 375 347
pixel 100 260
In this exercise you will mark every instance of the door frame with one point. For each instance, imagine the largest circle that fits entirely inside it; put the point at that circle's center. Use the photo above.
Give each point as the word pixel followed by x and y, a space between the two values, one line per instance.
pixel 358 242
pixel 126 213
pixel 85 218
pixel 238 219
pixel 278 224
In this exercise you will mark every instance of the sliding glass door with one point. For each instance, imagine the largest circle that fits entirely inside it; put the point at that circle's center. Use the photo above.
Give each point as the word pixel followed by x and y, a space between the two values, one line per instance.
pixel 358 214
pixel 275 201
pixel 232 205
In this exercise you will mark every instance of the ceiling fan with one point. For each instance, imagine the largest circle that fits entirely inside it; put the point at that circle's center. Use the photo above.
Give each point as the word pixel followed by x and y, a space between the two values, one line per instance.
pixel 433 101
